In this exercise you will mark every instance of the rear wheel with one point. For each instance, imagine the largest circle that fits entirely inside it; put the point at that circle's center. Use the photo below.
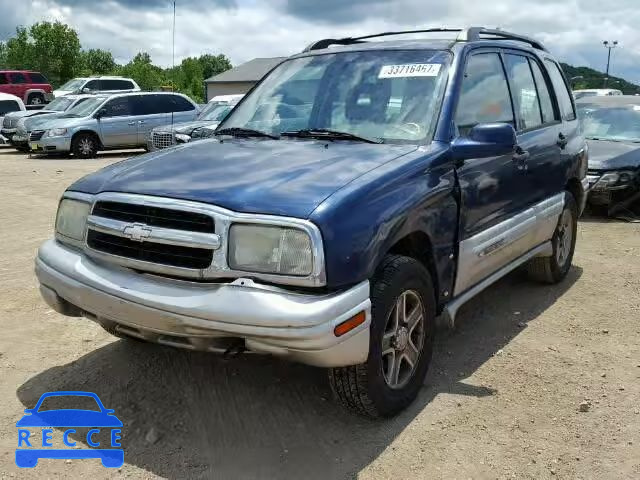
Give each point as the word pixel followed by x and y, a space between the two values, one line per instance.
pixel 84 145
pixel 35 99
pixel 553 269
pixel 400 345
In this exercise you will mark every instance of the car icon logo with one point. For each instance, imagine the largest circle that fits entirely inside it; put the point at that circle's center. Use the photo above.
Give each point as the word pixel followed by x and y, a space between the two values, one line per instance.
pixel 137 232
pixel 36 429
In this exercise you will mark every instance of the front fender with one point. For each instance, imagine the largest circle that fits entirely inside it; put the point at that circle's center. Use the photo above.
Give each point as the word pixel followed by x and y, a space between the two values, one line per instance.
pixel 362 222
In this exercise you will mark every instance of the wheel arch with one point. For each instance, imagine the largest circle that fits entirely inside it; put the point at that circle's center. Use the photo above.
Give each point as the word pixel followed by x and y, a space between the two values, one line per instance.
pixel 417 245
pixel 86 131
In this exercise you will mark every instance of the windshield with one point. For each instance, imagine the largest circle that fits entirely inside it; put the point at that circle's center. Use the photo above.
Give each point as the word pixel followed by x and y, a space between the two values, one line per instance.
pixel 87 107
pixel 215 114
pixel 60 104
pixel 73 84
pixel 392 95
pixel 609 123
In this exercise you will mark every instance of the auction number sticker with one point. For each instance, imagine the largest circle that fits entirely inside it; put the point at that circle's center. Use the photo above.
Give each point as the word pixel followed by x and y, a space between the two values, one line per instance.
pixel 410 70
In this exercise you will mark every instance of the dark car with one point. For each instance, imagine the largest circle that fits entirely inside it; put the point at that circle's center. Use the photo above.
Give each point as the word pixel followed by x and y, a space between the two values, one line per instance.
pixel 358 191
pixel 612 127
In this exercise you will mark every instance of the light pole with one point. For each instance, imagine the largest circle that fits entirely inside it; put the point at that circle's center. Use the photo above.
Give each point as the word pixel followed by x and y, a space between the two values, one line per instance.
pixel 609 46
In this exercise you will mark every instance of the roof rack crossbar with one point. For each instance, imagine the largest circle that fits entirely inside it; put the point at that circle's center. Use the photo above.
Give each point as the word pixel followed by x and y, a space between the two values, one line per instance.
pixel 470 34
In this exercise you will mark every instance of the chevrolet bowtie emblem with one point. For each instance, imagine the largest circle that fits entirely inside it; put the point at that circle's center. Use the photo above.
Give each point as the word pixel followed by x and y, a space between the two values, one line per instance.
pixel 137 232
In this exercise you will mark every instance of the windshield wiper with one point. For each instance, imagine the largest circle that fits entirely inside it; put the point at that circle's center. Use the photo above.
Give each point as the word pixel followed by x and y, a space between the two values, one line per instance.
pixel 245 132
pixel 325 133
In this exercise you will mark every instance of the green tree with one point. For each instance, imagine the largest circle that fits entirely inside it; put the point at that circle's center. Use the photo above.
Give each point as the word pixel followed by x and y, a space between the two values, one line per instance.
pixel 48 47
pixel 190 78
pixel 147 75
pixel 97 61
pixel 213 64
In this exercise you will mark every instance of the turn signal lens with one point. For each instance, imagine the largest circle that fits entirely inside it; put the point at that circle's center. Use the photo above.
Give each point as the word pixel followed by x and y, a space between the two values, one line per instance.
pixel 350 324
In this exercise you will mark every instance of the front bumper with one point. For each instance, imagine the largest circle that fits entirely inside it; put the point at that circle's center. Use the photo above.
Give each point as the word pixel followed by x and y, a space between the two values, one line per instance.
pixel 51 144
pixel 204 316
pixel 8 133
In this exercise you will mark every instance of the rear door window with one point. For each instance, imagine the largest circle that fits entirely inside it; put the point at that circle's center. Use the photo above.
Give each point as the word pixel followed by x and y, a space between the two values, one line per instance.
pixel 145 105
pixel 115 84
pixel 7 106
pixel 562 91
pixel 485 93
pixel 546 103
pixel 523 90
pixel 17 77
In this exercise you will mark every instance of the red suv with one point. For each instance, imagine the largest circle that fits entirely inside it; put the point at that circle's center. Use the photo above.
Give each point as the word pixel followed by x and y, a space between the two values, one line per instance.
pixel 32 87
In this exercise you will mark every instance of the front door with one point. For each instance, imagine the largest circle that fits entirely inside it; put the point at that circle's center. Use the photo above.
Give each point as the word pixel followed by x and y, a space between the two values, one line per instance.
pixel 118 128
pixel 496 217
pixel 149 112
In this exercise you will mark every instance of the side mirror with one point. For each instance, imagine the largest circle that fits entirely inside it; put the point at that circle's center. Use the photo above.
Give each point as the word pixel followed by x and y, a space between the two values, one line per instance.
pixel 485 140
pixel 101 113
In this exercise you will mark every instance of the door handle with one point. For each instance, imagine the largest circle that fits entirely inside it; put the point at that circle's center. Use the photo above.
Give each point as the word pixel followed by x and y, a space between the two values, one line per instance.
pixel 520 158
pixel 562 140
pixel 131 123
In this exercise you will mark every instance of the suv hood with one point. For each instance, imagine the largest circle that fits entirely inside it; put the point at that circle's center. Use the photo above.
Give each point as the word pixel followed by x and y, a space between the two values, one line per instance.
pixel 280 177
pixel 608 155
pixel 186 128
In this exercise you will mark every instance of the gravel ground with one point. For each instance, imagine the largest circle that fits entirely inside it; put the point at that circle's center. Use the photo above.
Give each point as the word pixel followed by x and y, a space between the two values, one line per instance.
pixel 502 399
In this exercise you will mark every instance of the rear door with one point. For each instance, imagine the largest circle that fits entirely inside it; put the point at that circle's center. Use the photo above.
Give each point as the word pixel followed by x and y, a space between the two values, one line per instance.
pixel 118 128
pixel 150 112
pixel 538 124
pixel 494 216
pixel 569 137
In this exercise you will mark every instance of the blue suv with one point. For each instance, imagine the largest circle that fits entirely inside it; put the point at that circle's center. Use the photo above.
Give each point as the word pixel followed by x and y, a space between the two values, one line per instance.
pixel 359 191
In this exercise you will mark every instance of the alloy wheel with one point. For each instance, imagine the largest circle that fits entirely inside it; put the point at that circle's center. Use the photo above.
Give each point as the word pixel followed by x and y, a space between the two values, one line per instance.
pixel 403 339
pixel 565 237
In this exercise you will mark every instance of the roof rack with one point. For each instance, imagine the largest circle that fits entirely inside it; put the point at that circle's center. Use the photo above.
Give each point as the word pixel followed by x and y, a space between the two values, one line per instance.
pixel 470 34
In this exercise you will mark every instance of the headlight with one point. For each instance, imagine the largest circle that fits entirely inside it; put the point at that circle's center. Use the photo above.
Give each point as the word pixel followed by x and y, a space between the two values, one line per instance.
pixel 616 179
pixel 181 137
pixel 56 132
pixel 270 249
pixel 72 218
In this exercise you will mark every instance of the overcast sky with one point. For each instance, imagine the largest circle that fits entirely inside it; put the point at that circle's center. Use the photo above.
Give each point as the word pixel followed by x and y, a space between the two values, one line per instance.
pixel 243 29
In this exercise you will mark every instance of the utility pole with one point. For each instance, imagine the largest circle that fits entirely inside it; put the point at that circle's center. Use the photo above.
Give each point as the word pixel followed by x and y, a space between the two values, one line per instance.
pixel 609 46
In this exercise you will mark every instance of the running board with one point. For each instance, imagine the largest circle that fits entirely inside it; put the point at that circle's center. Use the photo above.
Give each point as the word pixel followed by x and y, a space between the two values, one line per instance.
pixel 451 308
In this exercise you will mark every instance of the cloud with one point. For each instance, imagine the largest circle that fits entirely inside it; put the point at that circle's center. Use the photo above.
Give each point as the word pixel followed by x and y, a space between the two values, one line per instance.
pixel 243 29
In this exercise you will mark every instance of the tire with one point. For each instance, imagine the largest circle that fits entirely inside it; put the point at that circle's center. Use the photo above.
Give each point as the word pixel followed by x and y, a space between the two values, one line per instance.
pixel 84 145
pixel 35 99
pixel 367 388
pixel 554 269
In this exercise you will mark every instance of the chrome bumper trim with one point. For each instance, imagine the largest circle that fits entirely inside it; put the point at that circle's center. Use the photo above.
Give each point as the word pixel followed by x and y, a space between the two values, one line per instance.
pixel 269 319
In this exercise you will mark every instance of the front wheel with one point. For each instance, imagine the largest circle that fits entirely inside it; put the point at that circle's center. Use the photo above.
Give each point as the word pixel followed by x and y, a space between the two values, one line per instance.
pixel 84 145
pixel 554 269
pixel 400 345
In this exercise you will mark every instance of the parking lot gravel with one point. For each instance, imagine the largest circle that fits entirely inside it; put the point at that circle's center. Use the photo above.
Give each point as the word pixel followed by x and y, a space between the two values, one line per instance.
pixel 535 382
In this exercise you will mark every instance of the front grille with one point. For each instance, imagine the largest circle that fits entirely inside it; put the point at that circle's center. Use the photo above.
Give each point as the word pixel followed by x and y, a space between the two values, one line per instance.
pixel 155 216
pixel 37 135
pixel 162 139
pixel 171 255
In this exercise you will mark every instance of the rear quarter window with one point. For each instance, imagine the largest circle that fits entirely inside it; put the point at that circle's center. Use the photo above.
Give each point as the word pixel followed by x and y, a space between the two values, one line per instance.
pixel 180 104
pixel 3 78
pixel 562 90
pixel 38 78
